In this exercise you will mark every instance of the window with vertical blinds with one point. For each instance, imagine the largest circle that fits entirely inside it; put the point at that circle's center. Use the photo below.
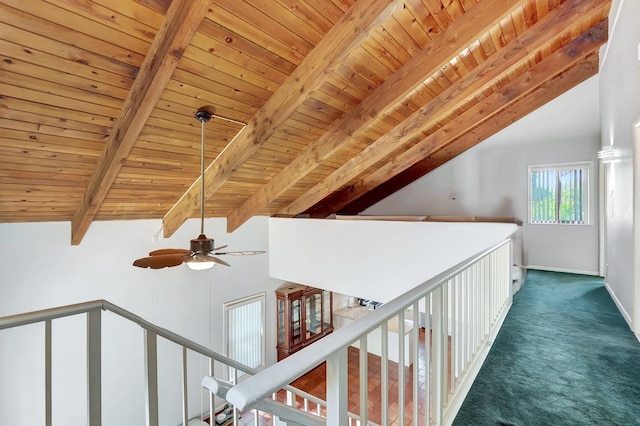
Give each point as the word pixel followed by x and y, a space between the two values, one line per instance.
pixel 245 341
pixel 559 194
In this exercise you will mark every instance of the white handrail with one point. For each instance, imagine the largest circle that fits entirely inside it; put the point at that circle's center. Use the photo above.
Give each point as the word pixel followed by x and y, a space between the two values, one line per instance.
pixel 85 307
pixel 255 390
pixel 176 338
pixel 151 334
pixel 257 387
pixel 49 314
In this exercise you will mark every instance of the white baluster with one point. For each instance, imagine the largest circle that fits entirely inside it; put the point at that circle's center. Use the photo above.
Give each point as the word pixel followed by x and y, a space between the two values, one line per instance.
pixel 185 396
pixel 94 368
pixel 47 373
pixel 384 373
pixel 437 378
pixel 364 380
pixel 401 367
pixel 337 388
pixel 415 339
pixel 151 376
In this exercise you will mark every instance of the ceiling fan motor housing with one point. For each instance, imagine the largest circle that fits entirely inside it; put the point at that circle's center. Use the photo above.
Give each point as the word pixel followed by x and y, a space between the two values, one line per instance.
pixel 202 245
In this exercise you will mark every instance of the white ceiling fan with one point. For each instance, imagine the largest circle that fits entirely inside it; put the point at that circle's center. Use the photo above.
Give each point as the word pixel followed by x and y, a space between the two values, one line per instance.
pixel 201 254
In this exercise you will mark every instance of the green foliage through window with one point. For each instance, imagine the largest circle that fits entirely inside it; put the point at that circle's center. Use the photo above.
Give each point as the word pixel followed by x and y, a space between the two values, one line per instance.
pixel 559 194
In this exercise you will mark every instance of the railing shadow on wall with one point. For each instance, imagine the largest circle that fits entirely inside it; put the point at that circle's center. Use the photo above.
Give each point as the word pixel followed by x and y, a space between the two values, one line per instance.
pixel 463 309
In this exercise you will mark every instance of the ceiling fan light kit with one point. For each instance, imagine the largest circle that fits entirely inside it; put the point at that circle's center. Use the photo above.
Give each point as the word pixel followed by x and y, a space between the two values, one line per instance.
pixel 198 257
pixel 200 265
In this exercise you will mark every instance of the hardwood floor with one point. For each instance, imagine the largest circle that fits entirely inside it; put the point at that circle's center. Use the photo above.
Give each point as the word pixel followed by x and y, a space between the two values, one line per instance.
pixel 314 383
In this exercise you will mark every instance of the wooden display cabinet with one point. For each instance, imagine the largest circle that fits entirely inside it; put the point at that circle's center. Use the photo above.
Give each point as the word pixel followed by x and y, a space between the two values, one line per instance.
pixel 304 315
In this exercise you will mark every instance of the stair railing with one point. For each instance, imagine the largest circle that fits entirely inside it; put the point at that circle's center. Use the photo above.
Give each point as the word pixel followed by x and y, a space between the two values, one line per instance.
pixel 463 309
pixel 93 310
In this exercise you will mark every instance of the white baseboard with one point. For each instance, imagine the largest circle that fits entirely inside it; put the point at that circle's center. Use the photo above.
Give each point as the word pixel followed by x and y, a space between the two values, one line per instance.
pixel 624 313
pixel 567 271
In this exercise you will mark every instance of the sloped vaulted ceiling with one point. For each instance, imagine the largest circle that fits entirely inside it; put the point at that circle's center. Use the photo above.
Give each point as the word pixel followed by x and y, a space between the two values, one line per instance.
pixel 319 107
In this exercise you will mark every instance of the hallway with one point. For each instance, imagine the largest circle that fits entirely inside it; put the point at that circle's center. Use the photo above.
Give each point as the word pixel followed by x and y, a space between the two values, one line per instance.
pixel 564 356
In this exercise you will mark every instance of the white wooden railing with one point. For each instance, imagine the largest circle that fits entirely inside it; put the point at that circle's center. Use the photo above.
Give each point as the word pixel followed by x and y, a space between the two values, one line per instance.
pixel 463 309
pixel 93 312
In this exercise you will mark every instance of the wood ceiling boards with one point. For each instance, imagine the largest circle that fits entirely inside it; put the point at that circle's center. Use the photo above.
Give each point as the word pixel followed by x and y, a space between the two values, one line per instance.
pixel 322 106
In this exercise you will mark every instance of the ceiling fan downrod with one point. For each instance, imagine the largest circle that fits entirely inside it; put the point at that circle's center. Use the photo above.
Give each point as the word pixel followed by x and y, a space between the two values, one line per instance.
pixel 203 117
pixel 199 256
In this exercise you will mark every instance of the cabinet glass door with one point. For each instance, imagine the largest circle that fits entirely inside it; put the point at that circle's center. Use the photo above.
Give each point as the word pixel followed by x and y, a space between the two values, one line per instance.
pixel 314 314
pixel 296 322
pixel 281 325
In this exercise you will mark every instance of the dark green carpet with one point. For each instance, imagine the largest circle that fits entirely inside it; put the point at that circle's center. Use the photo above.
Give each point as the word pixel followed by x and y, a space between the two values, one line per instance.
pixel 564 356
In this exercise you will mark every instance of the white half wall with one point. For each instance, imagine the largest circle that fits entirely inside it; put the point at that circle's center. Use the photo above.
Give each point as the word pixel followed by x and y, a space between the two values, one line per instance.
pixel 40 269
pixel 491 179
pixel 371 259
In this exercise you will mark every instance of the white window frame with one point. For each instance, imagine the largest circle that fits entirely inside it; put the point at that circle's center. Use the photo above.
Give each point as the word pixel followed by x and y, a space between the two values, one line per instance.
pixel 586 165
pixel 229 306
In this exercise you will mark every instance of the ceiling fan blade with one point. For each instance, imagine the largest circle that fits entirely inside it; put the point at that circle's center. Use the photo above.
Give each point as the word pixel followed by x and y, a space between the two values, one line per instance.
pixel 240 253
pixel 207 258
pixel 169 251
pixel 220 248
pixel 160 261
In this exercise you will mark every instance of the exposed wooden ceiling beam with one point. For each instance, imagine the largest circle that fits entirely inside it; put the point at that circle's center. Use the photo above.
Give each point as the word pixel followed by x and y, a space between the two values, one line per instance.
pixel 471 85
pixel 180 24
pixel 364 193
pixel 455 38
pixel 351 29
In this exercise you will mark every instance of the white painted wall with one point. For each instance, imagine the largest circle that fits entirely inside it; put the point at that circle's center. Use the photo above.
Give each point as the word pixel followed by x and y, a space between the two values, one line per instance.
pixel 371 259
pixel 620 110
pixel 491 180
pixel 40 269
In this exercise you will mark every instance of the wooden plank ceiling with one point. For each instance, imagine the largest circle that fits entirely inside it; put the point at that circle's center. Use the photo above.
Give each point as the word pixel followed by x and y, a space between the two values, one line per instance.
pixel 320 106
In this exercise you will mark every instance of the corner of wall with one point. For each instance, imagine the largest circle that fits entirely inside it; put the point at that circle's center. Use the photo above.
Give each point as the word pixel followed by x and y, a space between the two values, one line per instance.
pixel 616 8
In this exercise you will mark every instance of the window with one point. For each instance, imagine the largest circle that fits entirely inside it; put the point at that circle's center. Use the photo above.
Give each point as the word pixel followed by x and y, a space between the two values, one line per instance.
pixel 245 331
pixel 559 194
